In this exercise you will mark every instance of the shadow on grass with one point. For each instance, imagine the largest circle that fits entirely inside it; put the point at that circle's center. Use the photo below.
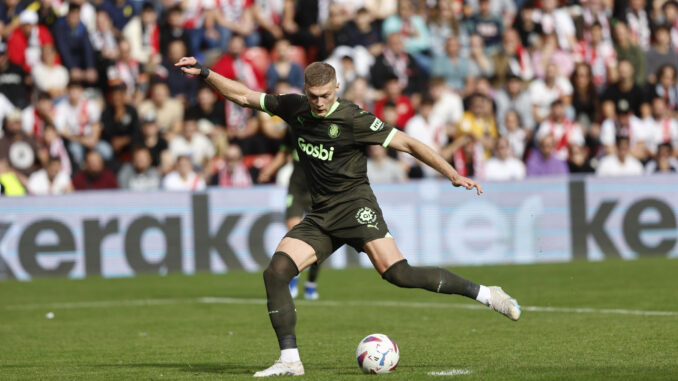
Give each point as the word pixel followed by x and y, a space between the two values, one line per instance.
pixel 248 369
pixel 220 368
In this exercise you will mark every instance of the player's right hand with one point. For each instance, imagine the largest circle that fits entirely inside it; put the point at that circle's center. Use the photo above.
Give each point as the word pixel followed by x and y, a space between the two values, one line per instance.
pixel 189 65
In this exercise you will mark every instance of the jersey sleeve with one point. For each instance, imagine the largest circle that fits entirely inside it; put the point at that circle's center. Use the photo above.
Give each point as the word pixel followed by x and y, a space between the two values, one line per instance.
pixel 282 105
pixel 368 129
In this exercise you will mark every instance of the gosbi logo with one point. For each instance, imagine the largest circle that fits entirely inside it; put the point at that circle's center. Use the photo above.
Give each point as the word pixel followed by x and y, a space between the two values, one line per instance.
pixel 316 151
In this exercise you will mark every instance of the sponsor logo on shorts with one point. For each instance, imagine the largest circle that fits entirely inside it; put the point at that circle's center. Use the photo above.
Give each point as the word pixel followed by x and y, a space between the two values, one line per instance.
pixel 317 151
pixel 333 131
pixel 377 125
pixel 367 216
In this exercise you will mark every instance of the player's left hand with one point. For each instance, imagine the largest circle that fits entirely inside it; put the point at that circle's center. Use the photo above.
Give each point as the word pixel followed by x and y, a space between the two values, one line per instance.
pixel 461 181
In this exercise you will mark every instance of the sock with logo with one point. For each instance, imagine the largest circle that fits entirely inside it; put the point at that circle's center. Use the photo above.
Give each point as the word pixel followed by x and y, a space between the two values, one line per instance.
pixel 281 309
pixel 434 279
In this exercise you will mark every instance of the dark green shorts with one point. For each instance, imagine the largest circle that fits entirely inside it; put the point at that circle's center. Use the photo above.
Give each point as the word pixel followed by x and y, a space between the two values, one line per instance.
pixel 355 222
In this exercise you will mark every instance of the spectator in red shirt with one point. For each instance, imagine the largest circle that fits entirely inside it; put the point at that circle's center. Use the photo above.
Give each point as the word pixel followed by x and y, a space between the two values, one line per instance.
pixel 94 175
pixel 24 45
pixel 395 95
pixel 233 66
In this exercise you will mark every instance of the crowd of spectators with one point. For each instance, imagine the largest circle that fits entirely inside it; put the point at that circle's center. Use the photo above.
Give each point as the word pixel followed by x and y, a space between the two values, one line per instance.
pixel 90 99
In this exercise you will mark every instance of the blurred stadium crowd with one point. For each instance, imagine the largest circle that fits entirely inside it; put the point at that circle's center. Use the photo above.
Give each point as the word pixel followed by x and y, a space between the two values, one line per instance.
pixel 89 97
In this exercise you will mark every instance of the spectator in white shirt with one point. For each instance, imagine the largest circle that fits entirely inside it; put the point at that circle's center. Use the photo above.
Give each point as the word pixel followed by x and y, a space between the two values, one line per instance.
pixel 48 75
pixel 515 132
pixel 503 166
pixel 50 180
pixel 183 178
pixel 78 120
pixel 54 146
pixel 38 115
pixel 639 23
pixel 621 163
pixel 630 126
pixel 544 92
pixel 192 143
pixel 554 19
pixel 425 127
pixel 448 106
pixel 6 107
pixel 140 31
pixel 564 131
pixel 664 126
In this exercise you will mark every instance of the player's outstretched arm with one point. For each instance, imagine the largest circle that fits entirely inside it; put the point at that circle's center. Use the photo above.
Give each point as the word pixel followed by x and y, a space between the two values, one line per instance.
pixel 232 90
pixel 405 143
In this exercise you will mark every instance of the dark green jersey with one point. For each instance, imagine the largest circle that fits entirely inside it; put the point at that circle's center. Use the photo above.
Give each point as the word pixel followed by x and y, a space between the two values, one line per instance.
pixel 332 149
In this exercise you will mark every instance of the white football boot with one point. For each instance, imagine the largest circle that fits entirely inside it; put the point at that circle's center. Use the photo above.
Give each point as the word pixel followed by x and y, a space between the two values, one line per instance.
pixel 503 303
pixel 279 368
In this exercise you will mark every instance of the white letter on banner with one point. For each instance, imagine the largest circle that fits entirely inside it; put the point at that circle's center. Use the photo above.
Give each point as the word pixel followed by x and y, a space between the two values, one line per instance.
pixel 477 233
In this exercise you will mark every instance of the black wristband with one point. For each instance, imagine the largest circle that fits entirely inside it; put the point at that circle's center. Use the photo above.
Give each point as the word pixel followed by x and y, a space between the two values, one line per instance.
pixel 204 72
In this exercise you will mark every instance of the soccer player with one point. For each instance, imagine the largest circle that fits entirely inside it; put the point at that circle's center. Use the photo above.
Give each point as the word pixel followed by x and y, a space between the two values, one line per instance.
pixel 331 135
pixel 298 203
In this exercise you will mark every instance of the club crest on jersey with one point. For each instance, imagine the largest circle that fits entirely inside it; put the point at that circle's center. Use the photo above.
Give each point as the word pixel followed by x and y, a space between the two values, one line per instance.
pixel 367 216
pixel 333 131
pixel 377 125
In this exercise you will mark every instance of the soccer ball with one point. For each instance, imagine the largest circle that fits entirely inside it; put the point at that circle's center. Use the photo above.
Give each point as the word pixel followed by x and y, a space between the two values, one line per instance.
pixel 377 353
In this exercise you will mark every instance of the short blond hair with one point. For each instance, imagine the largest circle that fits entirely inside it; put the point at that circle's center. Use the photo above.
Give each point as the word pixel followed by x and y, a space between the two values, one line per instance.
pixel 319 74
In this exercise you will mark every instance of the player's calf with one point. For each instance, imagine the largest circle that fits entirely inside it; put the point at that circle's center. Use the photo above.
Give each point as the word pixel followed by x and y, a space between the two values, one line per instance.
pixel 434 279
pixel 440 280
pixel 281 310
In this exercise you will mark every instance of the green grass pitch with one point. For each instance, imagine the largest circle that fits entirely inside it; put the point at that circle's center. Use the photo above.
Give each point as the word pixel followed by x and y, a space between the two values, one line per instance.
pixel 206 327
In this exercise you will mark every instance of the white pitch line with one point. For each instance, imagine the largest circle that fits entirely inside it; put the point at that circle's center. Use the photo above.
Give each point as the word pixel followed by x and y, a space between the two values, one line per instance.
pixel 600 311
pixel 101 304
pixel 327 303
pixel 451 372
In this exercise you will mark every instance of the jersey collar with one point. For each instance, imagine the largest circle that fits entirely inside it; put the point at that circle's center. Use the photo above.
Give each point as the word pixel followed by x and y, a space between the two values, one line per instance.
pixel 334 107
